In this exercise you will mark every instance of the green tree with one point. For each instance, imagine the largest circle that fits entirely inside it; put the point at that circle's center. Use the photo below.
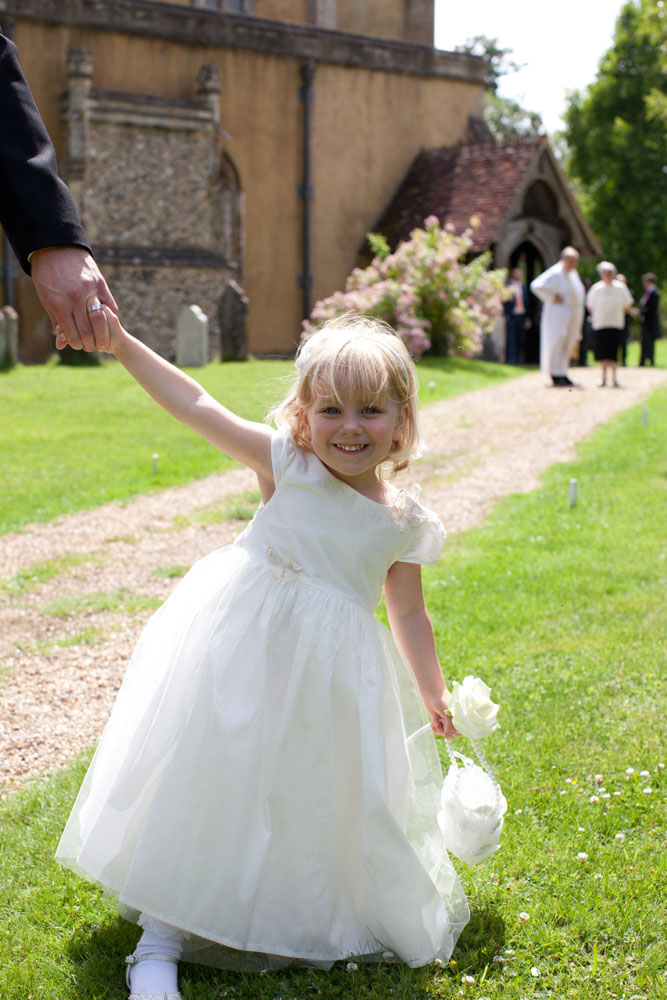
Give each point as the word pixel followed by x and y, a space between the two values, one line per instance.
pixel 617 143
pixel 498 62
pixel 505 118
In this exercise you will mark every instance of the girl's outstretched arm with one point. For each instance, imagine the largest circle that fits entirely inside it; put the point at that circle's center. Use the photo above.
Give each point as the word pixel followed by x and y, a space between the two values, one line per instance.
pixel 413 632
pixel 244 440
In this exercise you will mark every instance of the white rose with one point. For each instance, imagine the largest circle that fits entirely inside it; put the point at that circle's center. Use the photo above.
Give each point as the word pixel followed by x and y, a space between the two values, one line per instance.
pixel 473 713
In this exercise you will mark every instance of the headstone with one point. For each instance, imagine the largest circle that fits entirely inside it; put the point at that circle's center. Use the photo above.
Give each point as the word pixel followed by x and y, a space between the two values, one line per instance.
pixel 232 313
pixel 4 344
pixel 192 338
pixel 12 333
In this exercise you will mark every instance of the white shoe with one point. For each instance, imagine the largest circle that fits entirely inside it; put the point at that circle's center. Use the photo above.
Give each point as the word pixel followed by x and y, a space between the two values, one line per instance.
pixel 154 956
pixel 155 996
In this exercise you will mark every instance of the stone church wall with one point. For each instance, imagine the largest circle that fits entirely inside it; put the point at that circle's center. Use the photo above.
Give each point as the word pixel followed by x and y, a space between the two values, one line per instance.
pixel 148 176
pixel 181 187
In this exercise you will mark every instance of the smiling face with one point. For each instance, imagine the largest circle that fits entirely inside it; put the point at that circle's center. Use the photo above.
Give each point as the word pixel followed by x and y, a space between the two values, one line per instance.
pixel 353 436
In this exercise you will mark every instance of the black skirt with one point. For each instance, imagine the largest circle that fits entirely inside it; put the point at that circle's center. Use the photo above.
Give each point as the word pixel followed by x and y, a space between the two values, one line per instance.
pixel 606 343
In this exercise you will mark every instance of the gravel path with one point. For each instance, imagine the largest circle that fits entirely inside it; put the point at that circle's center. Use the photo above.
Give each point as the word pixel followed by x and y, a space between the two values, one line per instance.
pixel 66 632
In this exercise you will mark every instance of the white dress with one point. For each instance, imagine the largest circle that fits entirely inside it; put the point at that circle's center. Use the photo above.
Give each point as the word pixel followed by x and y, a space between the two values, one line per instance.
pixel 561 323
pixel 255 785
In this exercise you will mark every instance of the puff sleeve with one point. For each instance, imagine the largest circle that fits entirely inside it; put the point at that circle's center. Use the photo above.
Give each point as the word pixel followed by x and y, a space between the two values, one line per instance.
pixel 426 544
pixel 422 528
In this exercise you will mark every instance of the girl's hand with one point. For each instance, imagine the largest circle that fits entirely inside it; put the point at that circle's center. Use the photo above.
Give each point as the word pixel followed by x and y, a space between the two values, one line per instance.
pixel 441 721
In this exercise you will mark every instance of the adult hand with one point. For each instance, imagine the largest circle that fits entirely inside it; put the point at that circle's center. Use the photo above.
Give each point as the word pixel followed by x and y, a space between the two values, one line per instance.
pixel 65 278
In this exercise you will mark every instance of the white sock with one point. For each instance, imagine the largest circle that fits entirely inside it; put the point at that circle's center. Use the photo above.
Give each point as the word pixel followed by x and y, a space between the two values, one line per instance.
pixel 154 975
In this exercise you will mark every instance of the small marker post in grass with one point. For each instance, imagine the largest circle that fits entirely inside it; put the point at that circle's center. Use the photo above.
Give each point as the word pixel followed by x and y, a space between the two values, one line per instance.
pixel 155 458
pixel 645 416
pixel 573 493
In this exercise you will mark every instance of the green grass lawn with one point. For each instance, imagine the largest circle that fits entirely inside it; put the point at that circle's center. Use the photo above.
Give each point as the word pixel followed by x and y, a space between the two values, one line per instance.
pixel 562 611
pixel 81 437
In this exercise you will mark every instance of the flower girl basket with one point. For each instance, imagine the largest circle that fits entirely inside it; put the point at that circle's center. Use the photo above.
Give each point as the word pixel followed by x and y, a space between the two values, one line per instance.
pixel 472 803
pixel 473 806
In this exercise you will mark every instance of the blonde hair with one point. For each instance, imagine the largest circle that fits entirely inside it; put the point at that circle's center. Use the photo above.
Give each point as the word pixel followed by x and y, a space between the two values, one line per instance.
pixel 354 356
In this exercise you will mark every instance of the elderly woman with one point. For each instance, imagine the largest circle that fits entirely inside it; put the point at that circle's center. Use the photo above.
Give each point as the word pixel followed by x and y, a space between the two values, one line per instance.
pixel 608 301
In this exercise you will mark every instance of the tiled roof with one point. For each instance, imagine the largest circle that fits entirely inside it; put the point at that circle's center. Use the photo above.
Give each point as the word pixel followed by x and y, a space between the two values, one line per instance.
pixel 457 182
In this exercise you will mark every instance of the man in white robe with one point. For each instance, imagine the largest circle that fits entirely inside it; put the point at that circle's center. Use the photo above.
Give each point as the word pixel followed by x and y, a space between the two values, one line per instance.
pixel 561 290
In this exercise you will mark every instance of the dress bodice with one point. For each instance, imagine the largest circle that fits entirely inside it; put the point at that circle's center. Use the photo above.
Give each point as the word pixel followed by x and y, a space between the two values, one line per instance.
pixel 320 526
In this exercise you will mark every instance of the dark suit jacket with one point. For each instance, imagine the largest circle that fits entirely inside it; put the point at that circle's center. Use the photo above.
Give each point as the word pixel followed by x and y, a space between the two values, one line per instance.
pixel 649 309
pixel 508 307
pixel 36 208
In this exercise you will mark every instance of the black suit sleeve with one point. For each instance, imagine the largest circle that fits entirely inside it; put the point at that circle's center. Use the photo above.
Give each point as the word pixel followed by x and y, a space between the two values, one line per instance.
pixel 36 207
pixel 649 308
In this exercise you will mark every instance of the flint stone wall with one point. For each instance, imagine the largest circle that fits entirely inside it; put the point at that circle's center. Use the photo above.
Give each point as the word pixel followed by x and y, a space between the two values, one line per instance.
pixel 151 298
pixel 160 201
pixel 149 187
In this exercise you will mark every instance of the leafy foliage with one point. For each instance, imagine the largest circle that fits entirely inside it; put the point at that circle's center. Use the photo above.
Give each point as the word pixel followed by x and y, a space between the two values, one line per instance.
pixel 497 62
pixel 505 118
pixel 618 143
pixel 425 290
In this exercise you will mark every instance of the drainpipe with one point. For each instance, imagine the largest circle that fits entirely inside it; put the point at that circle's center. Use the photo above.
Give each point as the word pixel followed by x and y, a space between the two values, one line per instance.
pixel 306 186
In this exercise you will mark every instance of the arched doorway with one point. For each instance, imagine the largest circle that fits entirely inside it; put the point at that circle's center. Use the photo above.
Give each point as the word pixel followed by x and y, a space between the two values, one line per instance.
pixel 228 200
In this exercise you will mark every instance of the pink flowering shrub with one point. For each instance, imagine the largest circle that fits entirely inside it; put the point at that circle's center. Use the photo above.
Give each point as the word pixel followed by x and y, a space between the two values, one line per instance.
pixel 424 290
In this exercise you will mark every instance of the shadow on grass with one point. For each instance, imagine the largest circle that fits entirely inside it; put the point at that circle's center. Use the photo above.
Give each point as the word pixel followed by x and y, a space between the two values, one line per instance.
pixel 98 954
pixel 481 939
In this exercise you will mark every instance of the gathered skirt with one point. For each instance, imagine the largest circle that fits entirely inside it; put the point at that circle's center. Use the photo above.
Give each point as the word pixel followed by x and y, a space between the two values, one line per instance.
pixel 256 786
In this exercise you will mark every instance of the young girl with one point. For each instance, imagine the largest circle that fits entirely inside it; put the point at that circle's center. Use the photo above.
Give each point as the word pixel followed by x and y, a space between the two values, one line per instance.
pixel 255 798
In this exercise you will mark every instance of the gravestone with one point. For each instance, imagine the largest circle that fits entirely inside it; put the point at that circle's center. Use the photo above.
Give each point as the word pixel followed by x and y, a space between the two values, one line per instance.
pixel 232 313
pixel 11 318
pixel 192 338
pixel 4 344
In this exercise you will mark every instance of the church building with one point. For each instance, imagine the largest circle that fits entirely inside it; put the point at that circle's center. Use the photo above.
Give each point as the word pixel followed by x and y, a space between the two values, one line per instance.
pixel 254 140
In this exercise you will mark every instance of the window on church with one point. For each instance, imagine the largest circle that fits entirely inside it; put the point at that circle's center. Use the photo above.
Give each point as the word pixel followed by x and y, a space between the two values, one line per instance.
pixel 230 6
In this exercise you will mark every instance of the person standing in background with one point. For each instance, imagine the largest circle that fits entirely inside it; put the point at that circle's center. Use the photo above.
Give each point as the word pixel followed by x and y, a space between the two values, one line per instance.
pixel 562 292
pixel 38 214
pixel 608 301
pixel 586 342
pixel 517 320
pixel 650 313
pixel 625 337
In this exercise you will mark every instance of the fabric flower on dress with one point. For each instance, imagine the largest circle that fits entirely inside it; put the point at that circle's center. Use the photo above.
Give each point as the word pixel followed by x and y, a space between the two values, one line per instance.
pixel 405 510
pixel 281 568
